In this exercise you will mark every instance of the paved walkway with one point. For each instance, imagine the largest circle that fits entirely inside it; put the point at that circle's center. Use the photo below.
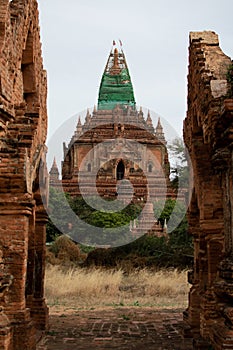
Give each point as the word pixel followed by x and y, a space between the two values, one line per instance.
pixel 118 328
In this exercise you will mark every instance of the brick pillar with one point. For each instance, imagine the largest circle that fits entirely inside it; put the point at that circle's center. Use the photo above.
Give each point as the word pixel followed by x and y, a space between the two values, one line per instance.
pixel 14 217
pixel 39 309
pixel 5 326
pixel 5 332
pixel 208 136
pixel 222 335
pixel 192 314
pixel 31 259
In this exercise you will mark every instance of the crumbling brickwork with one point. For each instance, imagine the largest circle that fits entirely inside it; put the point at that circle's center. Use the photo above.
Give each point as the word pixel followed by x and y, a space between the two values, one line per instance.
pixel 23 175
pixel 208 135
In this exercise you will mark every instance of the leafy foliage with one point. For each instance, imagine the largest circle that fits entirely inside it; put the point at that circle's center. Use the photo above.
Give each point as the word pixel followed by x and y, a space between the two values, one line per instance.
pixel 176 250
pixel 230 79
pixel 108 220
pixel 59 210
pixel 163 210
pixel 173 211
pixel 179 166
pixel 151 251
pixel 147 251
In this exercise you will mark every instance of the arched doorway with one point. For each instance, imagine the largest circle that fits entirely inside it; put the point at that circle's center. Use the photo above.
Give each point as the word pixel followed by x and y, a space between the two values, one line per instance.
pixel 120 170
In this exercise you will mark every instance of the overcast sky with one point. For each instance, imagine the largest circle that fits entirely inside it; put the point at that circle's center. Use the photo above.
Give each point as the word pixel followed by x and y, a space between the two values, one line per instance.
pixel 77 37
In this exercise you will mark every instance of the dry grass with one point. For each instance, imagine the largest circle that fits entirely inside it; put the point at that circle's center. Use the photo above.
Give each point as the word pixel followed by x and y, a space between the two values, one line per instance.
pixel 88 288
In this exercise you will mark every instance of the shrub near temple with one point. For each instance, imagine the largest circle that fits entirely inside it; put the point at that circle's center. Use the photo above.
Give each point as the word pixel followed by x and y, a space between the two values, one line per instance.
pixel 146 251
pixel 64 250
pixel 60 208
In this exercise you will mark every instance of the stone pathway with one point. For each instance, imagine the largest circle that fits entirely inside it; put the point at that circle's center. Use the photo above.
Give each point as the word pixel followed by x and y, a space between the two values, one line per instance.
pixel 118 328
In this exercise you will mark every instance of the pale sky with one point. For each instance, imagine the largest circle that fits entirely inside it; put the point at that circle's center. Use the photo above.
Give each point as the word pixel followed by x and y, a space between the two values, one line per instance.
pixel 77 37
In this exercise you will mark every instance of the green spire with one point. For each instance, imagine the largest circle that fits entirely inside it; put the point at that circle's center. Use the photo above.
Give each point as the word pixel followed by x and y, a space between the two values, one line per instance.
pixel 116 86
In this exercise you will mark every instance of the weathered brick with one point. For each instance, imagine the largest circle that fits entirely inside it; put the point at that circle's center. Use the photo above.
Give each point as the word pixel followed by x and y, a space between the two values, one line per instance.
pixel 207 134
pixel 23 123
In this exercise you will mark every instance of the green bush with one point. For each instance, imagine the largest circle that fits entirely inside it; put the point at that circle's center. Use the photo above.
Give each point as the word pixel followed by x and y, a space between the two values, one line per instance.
pixel 176 250
pixel 60 205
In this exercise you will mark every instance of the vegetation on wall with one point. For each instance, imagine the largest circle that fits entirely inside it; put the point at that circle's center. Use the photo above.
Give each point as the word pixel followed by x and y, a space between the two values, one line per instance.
pixel 230 79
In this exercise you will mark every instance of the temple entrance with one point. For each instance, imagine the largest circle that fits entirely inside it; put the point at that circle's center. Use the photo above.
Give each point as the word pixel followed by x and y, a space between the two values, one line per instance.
pixel 120 170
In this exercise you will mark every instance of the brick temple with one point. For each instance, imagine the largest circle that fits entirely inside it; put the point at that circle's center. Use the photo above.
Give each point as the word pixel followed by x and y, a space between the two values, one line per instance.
pixel 116 142
pixel 117 152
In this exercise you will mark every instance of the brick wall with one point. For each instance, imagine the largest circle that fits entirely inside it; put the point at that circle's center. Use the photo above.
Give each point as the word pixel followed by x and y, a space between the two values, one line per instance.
pixel 208 136
pixel 23 129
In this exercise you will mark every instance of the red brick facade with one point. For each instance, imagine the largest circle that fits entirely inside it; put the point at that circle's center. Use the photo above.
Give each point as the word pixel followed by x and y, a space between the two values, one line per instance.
pixel 208 134
pixel 23 128
pixel 113 145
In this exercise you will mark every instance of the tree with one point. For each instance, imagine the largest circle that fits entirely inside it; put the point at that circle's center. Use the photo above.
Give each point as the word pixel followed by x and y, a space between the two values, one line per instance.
pixel 171 210
pixel 230 80
pixel 109 220
pixel 62 204
pixel 59 207
pixel 179 164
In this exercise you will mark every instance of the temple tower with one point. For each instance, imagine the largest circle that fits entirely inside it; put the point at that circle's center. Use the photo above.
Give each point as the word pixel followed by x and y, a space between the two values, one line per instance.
pixel 116 142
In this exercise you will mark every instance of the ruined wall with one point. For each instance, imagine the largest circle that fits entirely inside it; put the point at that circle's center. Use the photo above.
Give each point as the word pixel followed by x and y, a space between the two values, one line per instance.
pixel 23 174
pixel 208 135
